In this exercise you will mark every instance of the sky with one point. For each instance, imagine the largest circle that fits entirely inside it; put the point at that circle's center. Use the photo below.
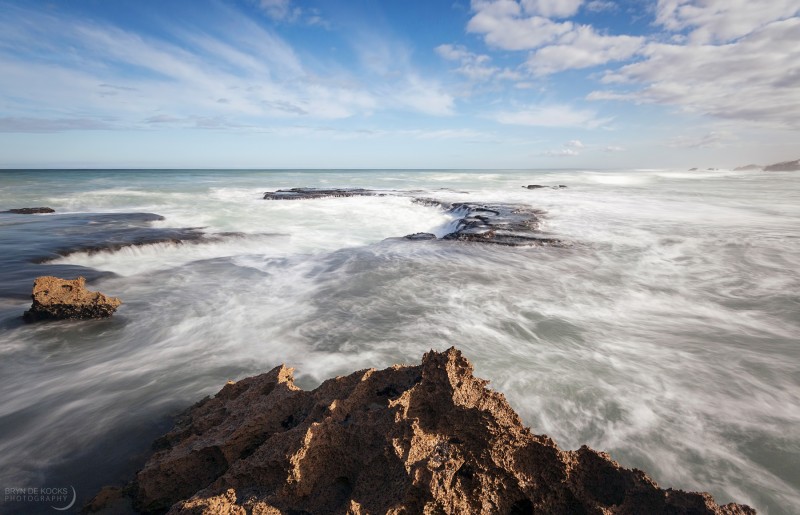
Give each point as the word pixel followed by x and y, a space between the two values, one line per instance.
pixel 399 83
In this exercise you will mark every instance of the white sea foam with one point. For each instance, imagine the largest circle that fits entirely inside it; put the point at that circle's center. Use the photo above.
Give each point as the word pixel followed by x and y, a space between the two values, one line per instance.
pixel 667 335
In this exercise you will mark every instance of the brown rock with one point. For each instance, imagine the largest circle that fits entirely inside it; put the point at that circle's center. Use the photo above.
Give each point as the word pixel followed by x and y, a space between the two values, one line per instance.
pixel 429 439
pixel 57 299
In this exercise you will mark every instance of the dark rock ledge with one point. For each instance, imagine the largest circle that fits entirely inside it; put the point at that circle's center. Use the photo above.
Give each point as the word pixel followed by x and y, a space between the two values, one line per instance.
pixel 497 223
pixel 430 438
pixel 30 210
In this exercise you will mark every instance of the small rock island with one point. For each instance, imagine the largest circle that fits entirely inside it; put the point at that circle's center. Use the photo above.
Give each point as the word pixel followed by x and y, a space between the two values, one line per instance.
pixel 60 299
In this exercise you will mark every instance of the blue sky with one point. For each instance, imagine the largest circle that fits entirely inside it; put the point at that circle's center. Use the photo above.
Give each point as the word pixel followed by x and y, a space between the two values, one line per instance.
pixel 399 83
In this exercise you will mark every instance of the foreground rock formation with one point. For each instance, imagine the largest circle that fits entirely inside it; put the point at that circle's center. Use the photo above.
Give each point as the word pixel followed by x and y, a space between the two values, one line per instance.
pixel 424 439
pixel 59 299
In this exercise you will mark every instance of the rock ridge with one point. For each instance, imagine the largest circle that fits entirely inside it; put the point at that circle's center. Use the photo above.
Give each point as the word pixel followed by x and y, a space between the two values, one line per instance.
pixel 429 438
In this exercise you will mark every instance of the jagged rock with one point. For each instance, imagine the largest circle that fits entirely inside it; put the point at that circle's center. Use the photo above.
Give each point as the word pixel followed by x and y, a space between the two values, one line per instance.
pixel 31 210
pixel 313 193
pixel 58 299
pixel 425 439
pixel 786 166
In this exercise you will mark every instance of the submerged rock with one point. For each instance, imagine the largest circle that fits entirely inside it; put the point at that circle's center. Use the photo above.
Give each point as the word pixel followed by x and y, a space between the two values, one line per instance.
pixel 59 299
pixel 534 186
pixel 419 236
pixel 31 210
pixel 786 166
pixel 429 438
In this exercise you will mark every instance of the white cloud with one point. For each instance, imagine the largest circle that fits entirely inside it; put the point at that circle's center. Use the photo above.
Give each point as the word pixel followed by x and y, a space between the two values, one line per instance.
pixel 503 26
pixel 280 10
pixel 564 152
pixel 475 67
pixel 558 46
pixel 600 6
pixel 722 20
pixel 552 8
pixel 552 116
pixel 582 48
pixel 710 140
pixel 575 143
pixel 755 79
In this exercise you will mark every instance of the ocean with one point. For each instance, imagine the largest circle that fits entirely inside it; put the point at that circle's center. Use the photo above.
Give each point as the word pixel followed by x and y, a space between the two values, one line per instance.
pixel 666 331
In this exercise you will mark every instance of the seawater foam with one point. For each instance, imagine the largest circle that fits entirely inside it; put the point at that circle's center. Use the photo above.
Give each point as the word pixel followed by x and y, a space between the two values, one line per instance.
pixel 667 337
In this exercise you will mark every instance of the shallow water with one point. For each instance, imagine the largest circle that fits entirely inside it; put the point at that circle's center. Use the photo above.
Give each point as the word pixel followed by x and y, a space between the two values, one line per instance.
pixel 667 334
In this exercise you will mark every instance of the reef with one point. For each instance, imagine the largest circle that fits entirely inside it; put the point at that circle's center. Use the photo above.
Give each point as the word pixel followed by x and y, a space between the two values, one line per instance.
pixel 59 299
pixel 497 223
pixel 423 439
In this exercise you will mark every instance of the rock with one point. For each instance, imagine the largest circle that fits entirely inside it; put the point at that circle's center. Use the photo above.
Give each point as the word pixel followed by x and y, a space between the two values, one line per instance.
pixel 748 168
pixel 501 224
pixel 31 210
pixel 786 166
pixel 559 187
pixel 314 193
pixel 419 236
pixel 429 438
pixel 534 186
pixel 58 299
pixel 693 169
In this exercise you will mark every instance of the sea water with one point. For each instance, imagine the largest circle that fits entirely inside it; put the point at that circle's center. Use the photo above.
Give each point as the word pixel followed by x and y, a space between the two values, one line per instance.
pixel 667 332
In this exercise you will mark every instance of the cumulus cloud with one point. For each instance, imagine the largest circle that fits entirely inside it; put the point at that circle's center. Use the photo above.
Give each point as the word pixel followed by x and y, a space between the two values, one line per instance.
pixel 552 116
pixel 722 20
pixel 552 8
pixel 756 78
pixel 558 46
pixel 476 67
pixel 503 25
pixel 582 48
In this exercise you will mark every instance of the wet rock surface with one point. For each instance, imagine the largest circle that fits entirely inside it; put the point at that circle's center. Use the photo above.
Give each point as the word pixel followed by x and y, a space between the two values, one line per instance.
pixel 501 224
pixel 61 299
pixel 429 438
pixel 31 210
pixel 539 186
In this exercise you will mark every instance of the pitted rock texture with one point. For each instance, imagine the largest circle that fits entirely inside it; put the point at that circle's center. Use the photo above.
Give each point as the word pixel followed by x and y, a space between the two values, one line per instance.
pixel 425 439
pixel 58 299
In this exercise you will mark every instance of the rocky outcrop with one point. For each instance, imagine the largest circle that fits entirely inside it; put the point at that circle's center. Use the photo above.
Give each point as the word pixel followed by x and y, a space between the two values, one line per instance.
pixel 428 439
pixel 314 193
pixel 59 299
pixel 539 186
pixel 501 224
pixel 31 210
pixel 786 166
